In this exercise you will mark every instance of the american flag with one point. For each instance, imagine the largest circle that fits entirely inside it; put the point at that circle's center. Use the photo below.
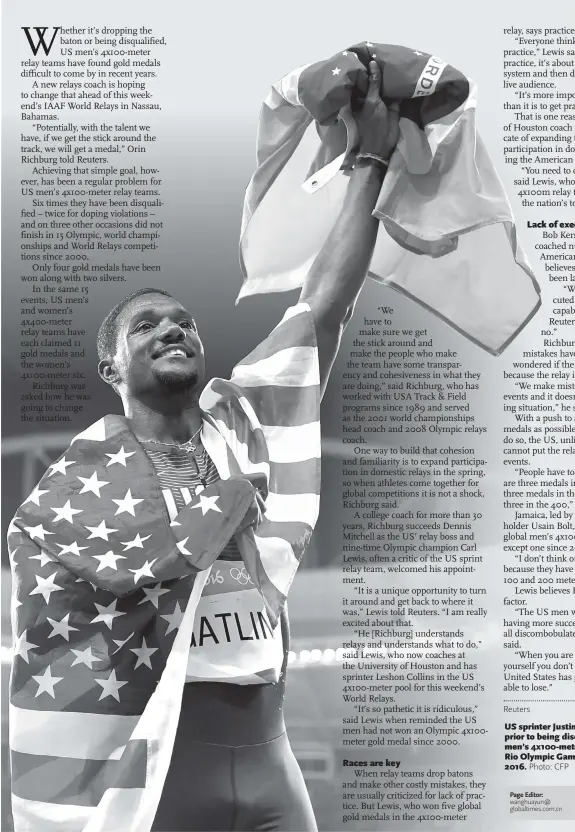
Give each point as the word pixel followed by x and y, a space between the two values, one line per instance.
pixel 106 586
pixel 447 236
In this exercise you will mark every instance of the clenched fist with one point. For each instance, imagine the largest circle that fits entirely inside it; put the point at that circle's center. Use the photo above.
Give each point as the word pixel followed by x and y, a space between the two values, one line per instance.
pixel 378 124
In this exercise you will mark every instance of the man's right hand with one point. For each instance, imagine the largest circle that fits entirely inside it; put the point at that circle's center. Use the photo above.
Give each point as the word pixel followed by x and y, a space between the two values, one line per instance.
pixel 255 512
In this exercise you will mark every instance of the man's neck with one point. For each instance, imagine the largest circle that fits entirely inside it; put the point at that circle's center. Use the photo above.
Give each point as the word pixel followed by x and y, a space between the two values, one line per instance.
pixel 167 425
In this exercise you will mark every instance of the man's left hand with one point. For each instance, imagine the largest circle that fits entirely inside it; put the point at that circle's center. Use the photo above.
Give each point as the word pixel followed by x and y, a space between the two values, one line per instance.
pixel 378 124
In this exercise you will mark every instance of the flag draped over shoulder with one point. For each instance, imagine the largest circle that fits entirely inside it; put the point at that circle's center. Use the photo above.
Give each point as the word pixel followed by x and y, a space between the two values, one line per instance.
pixel 447 237
pixel 106 586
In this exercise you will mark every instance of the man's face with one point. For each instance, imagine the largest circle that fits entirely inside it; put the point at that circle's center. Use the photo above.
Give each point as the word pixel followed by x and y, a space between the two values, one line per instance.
pixel 158 348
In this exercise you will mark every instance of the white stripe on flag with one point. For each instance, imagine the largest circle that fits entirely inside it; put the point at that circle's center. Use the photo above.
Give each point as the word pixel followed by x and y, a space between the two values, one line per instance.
pixel 226 674
pixel 298 309
pixel 68 734
pixel 438 131
pixel 37 816
pixel 186 494
pixel 126 803
pixel 250 412
pixel 278 560
pixel 215 445
pixel 170 503
pixel 288 87
pixel 292 508
pixel 291 367
pixel 293 444
pixel 240 451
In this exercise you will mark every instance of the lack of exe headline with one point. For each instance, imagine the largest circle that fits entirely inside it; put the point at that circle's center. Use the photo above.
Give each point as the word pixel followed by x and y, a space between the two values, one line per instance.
pixel 551 224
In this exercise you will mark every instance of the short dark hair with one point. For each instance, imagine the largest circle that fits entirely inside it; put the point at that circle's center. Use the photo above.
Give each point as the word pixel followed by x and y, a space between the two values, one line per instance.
pixel 108 332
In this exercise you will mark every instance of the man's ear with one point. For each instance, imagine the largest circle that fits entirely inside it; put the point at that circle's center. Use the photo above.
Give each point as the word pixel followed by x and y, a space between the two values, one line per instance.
pixel 107 371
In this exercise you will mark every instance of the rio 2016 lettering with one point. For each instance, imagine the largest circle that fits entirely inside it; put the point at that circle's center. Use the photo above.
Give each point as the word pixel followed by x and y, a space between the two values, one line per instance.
pixel 238 574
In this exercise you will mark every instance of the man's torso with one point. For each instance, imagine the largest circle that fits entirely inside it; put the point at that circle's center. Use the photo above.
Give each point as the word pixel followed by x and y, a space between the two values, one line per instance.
pixel 233 640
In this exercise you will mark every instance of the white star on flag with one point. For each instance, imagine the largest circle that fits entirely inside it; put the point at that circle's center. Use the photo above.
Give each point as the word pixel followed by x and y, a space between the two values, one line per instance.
pixel 108 561
pixel 136 543
pixel 336 71
pixel 37 531
pixel 182 546
pixel 72 548
pixel 174 619
pixel 66 512
pixel 207 504
pixel 143 653
pixel 45 586
pixel 46 682
pixel 106 614
pixel 152 594
pixel 119 458
pixel 121 643
pixel 59 467
pixel 344 53
pixel 61 628
pixel 144 571
pixel 110 686
pixel 43 558
pixel 92 484
pixel 35 496
pixel 22 646
pixel 85 657
pixel 101 531
pixel 126 504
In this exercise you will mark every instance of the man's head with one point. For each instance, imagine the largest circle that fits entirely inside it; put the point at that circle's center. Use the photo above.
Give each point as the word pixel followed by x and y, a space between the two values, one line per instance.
pixel 149 348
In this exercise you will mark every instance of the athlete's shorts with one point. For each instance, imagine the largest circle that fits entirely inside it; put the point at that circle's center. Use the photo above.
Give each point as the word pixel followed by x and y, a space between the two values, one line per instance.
pixel 232 767
pixel 248 787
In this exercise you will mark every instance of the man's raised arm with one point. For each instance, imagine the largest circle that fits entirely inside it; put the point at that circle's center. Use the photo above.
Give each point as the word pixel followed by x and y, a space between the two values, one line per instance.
pixel 339 271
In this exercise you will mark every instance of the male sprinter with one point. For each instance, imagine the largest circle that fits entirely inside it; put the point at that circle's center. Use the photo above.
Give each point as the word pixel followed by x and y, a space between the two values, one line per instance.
pixel 231 767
